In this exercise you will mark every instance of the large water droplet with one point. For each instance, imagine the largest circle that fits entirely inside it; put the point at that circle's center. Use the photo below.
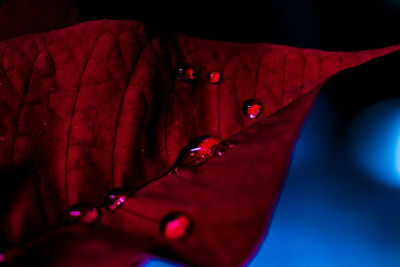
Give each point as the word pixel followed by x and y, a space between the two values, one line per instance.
pixel 81 213
pixel 185 73
pixel 252 108
pixel 198 151
pixel 116 198
pixel 176 225
pixel 214 77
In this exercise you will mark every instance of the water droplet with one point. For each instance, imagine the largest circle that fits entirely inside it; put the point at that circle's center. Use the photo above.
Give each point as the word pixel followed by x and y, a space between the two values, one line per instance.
pixel 252 108
pixel 2 139
pixel 214 77
pixel 2 257
pixel 81 213
pixel 115 199
pixel 198 151
pixel 185 73
pixel 176 225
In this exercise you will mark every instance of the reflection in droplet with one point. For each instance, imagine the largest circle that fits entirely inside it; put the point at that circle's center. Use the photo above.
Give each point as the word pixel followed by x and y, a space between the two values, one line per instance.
pixel 115 199
pixel 252 108
pixel 81 213
pixel 185 73
pixel 176 225
pixel 214 77
pixel 198 151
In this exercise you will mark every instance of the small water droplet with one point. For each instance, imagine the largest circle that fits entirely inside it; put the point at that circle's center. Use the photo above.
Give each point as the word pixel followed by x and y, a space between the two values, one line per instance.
pixel 2 255
pixel 252 108
pixel 142 150
pixel 197 152
pixel 44 123
pixel 214 77
pixel 185 73
pixel 176 226
pixel 83 213
pixel 115 199
pixel 2 139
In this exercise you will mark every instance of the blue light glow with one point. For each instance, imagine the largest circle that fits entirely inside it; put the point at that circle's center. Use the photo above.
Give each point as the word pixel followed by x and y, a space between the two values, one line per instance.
pixel 158 263
pixel 375 141
pixel 398 156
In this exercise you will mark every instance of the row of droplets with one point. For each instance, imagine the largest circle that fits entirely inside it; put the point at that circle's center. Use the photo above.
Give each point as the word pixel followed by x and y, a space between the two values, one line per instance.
pixel 174 225
pixel 251 108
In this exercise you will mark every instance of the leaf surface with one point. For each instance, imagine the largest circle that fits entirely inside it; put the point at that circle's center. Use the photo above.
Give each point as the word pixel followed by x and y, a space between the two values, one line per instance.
pixel 97 106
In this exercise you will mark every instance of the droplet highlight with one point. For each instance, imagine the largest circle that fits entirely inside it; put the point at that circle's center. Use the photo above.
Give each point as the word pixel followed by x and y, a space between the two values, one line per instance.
pixel 185 72
pixel 176 226
pixel 252 108
pixel 214 77
pixel 198 151
pixel 83 213
pixel 115 199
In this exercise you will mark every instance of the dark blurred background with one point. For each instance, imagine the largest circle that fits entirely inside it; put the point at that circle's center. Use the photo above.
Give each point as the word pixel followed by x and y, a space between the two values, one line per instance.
pixel 341 202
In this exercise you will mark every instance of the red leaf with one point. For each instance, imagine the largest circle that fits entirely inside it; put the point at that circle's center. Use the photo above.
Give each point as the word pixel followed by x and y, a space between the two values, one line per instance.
pixel 97 106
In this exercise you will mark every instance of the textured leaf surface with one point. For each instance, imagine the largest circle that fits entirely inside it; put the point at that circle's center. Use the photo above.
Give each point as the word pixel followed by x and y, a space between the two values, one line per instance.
pixel 96 106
